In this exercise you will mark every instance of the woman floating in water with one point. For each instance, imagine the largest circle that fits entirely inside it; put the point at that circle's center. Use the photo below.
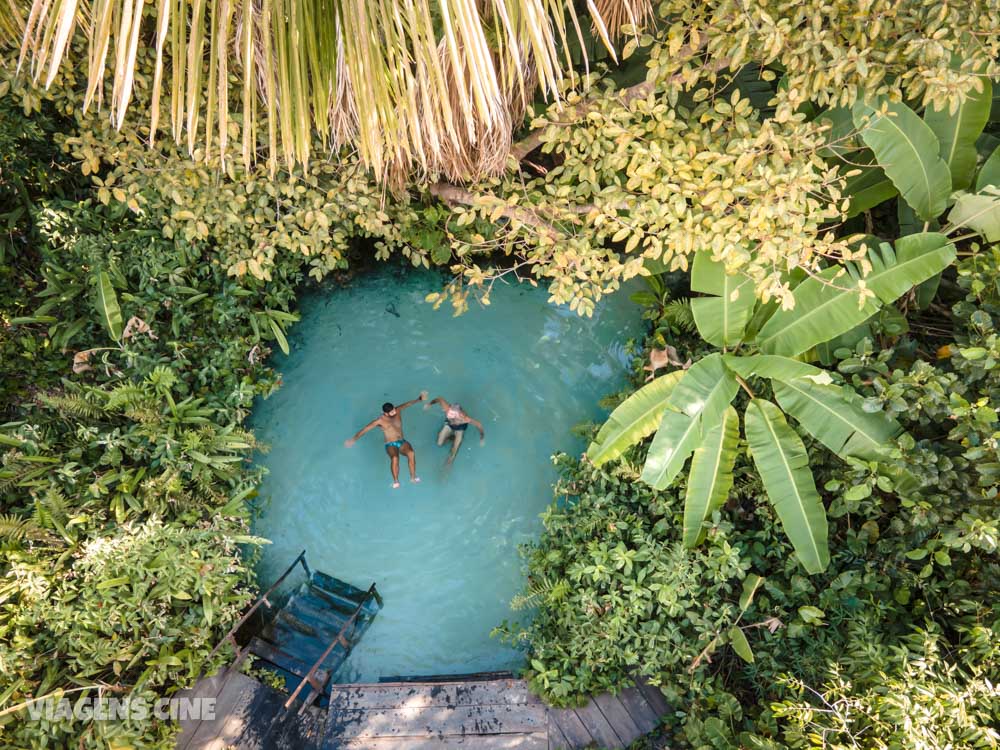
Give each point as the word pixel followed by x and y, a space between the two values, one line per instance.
pixel 391 423
pixel 456 421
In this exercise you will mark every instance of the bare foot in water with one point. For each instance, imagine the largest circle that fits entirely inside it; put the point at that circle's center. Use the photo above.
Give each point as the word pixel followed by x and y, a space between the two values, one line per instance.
pixel 395 485
pixel 415 480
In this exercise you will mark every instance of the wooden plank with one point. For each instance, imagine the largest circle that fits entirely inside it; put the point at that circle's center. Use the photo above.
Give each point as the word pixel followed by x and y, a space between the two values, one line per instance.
pixel 216 734
pixel 618 717
pixel 598 726
pixel 292 731
pixel 639 709
pixel 557 740
pixel 206 687
pixel 532 741
pixel 494 692
pixel 437 721
pixel 267 706
pixel 654 697
pixel 571 728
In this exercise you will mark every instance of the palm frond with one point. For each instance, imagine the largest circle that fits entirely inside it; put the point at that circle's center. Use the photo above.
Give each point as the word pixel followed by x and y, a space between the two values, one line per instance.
pixel 431 85
pixel 11 20
pixel 618 13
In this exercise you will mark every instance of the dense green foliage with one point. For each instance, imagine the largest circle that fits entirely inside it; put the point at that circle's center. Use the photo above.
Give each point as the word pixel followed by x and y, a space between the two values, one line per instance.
pixel 893 645
pixel 122 480
pixel 744 147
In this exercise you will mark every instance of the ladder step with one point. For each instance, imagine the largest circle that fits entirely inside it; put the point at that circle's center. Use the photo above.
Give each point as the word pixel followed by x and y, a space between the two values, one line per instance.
pixel 285 661
pixel 305 648
pixel 315 608
pixel 341 603
pixel 338 587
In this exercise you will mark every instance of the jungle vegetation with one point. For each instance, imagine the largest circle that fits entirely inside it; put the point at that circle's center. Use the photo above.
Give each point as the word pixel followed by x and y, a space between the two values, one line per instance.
pixel 793 529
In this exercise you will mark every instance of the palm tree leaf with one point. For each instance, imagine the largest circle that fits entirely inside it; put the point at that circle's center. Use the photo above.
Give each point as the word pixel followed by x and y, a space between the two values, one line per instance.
pixel 431 85
pixel 722 318
pixel 916 258
pixel 826 305
pixel 783 464
pixel 705 389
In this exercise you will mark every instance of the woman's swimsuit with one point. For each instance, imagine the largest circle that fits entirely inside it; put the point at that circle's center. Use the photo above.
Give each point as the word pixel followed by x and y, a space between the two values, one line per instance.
pixel 460 427
pixel 396 444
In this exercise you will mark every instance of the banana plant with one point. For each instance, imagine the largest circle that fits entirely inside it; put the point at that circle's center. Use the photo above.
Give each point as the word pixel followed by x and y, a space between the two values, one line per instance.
pixel 691 415
pixel 930 162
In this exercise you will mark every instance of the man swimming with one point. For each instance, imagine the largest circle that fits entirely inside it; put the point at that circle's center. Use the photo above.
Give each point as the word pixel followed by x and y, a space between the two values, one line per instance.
pixel 456 421
pixel 391 423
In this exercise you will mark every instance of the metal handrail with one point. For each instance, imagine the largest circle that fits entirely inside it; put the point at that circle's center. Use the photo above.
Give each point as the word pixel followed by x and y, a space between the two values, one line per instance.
pixel 310 677
pixel 230 637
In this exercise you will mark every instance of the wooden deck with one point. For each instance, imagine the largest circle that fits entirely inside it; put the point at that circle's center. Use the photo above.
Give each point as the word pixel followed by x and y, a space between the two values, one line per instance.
pixel 489 715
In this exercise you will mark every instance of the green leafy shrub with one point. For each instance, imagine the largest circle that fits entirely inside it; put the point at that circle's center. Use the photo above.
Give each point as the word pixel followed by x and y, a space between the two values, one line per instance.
pixel 894 645
pixel 124 482
pixel 617 591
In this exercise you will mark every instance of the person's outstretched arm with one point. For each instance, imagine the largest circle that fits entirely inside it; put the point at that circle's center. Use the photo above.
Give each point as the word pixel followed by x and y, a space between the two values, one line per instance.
pixel 408 404
pixel 439 400
pixel 351 441
pixel 479 426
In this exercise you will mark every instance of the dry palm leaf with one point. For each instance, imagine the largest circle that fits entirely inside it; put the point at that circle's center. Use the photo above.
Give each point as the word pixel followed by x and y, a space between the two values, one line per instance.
pixel 618 13
pixel 373 73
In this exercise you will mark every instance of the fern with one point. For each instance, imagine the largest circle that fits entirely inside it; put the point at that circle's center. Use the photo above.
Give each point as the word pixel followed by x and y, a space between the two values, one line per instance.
pixel 543 588
pixel 16 529
pixel 135 402
pixel 678 313
pixel 13 473
pixel 51 513
pixel 71 406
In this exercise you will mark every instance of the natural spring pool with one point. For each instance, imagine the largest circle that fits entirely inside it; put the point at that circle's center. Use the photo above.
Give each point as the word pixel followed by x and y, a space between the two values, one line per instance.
pixel 444 553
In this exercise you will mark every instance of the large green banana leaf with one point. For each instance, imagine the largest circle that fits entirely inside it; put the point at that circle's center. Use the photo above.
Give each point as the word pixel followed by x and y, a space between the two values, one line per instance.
pixel 839 136
pixel 765 310
pixel 722 318
pixel 705 390
pixel 676 439
pixel 957 133
pixel 980 212
pixel 773 366
pixel 917 257
pixel 836 419
pixel 989 173
pixel 908 151
pixel 826 305
pixel 711 475
pixel 783 464
pixel 867 190
pixel 107 306
pixel 635 418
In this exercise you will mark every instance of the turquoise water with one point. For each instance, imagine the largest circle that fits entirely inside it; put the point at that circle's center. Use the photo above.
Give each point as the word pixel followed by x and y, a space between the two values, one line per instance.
pixel 443 552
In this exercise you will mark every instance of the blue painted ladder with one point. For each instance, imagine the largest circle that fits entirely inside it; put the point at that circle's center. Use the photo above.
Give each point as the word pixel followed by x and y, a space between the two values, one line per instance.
pixel 310 637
